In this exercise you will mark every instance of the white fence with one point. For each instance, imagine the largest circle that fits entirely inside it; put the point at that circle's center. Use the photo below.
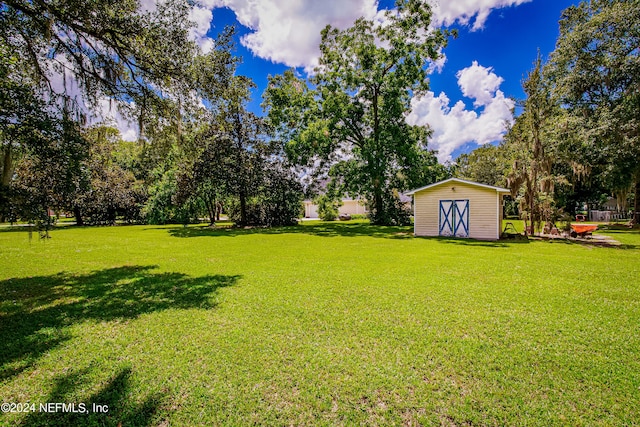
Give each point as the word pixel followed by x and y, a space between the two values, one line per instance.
pixel 607 216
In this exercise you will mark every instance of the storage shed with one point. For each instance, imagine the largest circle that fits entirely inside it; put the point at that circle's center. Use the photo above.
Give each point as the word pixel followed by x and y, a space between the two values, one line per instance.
pixel 459 208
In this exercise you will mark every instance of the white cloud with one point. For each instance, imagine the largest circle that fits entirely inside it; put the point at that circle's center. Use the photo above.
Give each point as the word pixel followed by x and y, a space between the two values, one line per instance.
pixel 456 126
pixel 479 83
pixel 202 19
pixel 288 31
pixel 447 12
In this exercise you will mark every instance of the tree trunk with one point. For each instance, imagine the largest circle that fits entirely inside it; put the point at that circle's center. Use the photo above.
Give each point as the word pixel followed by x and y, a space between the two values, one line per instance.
pixel 635 220
pixel 532 190
pixel 7 171
pixel 211 209
pixel 7 166
pixel 179 124
pixel 212 215
pixel 379 216
pixel 111 215
pixel 243 208
pixel 378 203
pixel 531 217
pixel 209 204
pixel 78 214
pixel 141 119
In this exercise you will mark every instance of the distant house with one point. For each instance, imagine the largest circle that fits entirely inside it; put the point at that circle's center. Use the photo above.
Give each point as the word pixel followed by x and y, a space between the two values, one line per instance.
pixel 611 204
pixel 459 208
pixel 349 206
pixel 611 210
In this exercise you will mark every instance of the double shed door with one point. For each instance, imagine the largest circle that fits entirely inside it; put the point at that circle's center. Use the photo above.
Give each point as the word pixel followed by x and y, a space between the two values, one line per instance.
pixel 454 218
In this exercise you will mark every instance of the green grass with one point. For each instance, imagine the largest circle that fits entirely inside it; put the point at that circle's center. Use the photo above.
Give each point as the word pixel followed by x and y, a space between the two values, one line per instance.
pixel 320 324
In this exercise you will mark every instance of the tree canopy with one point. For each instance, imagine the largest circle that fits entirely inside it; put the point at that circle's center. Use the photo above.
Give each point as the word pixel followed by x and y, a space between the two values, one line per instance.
pixel 486 164
pixel 595 73
pixel 115 48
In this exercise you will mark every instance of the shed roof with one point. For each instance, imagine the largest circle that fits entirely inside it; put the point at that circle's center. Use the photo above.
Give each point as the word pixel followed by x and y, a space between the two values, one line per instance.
pixel 461 181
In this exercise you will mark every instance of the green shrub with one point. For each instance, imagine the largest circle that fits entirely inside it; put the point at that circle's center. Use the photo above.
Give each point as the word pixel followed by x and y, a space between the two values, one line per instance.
pixel 359 216
pixel 327 207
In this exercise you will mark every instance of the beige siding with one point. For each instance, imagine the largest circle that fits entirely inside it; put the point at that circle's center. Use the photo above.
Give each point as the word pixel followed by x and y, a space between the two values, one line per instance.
pixel 352 207
pixel 484 209
pixel 310 209
pixel 349 206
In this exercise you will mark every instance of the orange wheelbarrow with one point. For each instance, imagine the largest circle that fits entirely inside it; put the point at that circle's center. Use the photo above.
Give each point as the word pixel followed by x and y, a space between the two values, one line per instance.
pixel 582 230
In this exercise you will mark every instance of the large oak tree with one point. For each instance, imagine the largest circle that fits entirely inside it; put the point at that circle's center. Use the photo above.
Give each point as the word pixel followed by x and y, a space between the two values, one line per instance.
pixel 353 118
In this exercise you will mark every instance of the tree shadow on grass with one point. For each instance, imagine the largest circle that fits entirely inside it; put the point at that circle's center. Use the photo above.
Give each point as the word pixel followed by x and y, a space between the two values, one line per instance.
pixel 25 228
pixel 322 229
pixel 480 243
pixel 36 311
pixel 112 405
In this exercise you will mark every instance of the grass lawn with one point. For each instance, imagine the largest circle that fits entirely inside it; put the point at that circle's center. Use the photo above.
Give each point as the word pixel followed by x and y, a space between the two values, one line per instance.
pixel 320 324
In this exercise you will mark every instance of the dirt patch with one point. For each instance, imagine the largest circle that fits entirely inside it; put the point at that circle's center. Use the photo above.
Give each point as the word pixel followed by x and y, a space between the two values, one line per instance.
pixel 600 240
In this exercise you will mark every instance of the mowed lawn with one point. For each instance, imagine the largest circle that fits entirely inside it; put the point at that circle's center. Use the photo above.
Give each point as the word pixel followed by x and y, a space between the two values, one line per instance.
pixel 320 324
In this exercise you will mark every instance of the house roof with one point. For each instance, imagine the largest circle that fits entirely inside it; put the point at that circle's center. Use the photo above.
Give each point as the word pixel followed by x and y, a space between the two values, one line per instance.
pixel 461 181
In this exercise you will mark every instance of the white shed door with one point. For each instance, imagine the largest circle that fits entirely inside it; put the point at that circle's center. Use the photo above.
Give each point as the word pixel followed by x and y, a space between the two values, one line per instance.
pixel 446 218
pixel 454 218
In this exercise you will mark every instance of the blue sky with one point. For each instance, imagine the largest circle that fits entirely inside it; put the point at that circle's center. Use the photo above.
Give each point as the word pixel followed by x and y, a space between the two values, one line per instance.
pixel 471 94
